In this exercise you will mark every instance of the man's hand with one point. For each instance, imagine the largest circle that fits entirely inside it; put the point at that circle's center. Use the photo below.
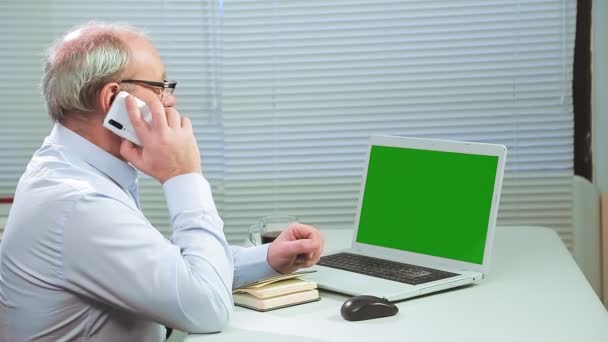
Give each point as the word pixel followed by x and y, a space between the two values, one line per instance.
pixel 169 146
pixel 298 246
pixel 169 101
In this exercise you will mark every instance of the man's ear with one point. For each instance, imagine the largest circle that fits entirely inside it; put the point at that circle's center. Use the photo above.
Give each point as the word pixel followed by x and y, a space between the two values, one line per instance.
pixel 106 96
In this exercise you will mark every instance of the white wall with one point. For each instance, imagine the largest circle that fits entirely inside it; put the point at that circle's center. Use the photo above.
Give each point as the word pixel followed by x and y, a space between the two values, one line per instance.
pixel 599 108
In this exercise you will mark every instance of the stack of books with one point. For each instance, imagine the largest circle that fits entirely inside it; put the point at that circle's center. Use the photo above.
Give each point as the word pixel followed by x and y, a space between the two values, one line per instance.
pixel 276 292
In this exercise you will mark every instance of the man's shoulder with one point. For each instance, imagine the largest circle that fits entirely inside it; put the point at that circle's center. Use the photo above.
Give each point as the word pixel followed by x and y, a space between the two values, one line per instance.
pixel 66 179
pixel 51 195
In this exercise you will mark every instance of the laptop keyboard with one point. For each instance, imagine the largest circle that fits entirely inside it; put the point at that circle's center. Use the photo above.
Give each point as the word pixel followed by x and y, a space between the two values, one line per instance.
pixel 385 269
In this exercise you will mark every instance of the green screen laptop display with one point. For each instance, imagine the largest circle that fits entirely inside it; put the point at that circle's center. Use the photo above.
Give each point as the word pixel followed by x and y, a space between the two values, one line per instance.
pixel 429 202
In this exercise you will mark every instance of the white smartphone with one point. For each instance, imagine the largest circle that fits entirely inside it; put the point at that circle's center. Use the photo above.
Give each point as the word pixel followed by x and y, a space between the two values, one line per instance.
pixel 117 119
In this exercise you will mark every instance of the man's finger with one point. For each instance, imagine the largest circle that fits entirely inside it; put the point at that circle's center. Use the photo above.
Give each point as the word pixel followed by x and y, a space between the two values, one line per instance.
pixel 305 259
pixel 173 118
pixel 303 246
pixel 157 111
pixel 316 256
pixel 308 262
pixel 186 123
pixel 131 152
pixel 304 231
pixel 169 100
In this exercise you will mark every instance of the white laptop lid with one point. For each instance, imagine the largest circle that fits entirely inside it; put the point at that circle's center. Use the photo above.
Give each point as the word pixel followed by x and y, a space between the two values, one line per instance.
pixel 431 202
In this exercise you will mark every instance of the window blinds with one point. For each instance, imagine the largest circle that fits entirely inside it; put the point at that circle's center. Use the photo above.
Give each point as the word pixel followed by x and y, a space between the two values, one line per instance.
pixel 306 82
pixel 285 93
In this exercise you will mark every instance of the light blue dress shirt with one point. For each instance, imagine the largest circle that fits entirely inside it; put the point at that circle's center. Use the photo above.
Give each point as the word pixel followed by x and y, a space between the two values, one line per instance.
pixel 79 261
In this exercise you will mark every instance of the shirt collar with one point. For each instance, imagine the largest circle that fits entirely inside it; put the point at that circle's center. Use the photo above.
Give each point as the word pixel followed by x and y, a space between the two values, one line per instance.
pixel 119 171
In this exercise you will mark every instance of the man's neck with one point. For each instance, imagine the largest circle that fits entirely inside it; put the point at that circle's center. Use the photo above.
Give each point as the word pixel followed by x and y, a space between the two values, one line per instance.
pixel 91 129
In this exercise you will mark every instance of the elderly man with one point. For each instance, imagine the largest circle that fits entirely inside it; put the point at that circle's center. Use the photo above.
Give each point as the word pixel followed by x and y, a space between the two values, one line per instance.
pixel 79 261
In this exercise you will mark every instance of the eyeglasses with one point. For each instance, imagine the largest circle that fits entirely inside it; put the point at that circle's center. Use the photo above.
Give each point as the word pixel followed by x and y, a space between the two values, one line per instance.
pixel 168 87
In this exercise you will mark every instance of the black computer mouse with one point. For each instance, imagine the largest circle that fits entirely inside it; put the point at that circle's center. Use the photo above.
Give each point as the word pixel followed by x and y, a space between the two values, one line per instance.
pixel 359 308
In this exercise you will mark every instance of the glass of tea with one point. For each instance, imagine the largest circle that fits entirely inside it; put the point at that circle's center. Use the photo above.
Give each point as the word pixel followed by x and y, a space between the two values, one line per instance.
pixel 269 228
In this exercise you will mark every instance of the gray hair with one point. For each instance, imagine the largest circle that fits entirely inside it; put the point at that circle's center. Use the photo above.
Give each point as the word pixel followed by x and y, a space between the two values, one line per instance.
pixel 80 63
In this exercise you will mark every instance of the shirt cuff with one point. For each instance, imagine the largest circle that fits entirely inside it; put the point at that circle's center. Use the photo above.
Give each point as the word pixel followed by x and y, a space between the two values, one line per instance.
pixel 251 264
pixel 189 191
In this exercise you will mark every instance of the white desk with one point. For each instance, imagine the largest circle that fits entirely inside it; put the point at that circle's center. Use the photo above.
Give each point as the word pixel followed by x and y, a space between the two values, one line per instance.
pixel 534 292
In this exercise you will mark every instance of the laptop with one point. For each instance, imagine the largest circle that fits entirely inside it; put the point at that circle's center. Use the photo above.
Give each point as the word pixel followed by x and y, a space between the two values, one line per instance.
pixel 425 220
